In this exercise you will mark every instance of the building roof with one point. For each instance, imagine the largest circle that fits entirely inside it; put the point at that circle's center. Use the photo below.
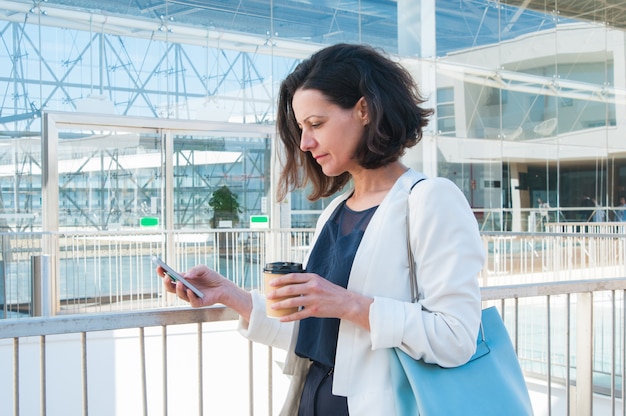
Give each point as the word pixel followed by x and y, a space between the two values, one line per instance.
pixel 460 24
pixel 611 12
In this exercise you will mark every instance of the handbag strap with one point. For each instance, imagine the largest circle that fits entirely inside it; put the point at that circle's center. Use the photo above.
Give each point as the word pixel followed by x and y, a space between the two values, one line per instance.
pixel 412 272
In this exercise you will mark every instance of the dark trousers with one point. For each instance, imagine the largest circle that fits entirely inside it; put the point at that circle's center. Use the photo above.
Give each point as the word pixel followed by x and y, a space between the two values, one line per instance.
pixel 317 397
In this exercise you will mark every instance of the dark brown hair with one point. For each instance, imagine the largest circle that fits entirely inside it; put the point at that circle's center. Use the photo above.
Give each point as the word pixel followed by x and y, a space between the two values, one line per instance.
pixel 344 73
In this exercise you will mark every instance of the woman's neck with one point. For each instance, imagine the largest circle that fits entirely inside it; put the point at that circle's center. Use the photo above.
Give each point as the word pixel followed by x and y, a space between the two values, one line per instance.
pixel 371 186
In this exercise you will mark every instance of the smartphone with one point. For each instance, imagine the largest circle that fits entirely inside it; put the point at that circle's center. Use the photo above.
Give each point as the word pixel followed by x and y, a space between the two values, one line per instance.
pixel 175 276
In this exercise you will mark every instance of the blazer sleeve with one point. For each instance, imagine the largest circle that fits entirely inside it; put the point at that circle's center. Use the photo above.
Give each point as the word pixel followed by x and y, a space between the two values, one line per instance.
pixel 443 325
pixel 265 330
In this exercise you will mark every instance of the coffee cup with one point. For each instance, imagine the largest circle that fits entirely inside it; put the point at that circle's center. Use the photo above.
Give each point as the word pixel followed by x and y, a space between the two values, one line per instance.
pixel 272 271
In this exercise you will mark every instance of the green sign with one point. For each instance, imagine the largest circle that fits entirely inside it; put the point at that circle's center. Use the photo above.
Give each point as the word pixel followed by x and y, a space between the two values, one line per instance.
pixel 259 221
pixel 149 221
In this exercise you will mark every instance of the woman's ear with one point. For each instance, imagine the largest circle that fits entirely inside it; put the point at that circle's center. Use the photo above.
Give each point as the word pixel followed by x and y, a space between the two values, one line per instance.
pixel 362 111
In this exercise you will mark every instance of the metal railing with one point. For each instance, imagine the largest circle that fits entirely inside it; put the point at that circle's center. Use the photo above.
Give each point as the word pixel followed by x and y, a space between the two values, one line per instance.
pixel 566 253
pixel 104 273
pixel 111 271
pixel 184 362
pixel 571 335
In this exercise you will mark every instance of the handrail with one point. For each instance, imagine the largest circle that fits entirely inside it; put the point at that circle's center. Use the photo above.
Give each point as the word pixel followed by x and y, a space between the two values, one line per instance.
pixel 76 323
pixel 557 373
pixel 551 288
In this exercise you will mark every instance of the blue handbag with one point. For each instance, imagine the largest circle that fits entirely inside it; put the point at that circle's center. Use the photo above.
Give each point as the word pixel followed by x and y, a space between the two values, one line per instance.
pixel 491 383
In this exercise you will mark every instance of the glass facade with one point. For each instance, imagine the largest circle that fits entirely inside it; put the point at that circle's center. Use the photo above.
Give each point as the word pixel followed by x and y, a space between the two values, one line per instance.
pixel 530 100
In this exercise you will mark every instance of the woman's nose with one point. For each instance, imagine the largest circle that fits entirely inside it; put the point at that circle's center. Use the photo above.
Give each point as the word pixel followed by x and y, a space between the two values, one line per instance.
pixel 306 141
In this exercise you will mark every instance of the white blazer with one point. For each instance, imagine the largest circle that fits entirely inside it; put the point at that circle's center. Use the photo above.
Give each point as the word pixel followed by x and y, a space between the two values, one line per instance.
pixel 440 328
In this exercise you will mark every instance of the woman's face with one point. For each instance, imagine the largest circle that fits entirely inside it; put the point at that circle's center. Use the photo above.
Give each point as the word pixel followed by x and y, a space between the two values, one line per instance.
pixel 330 133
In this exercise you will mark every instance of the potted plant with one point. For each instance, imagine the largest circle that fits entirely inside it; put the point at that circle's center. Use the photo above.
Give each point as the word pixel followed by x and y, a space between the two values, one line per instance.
pixel 226 212
pixel 225 207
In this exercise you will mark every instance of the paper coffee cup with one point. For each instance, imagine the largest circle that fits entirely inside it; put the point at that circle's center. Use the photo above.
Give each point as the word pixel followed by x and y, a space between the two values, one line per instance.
pixel 270 272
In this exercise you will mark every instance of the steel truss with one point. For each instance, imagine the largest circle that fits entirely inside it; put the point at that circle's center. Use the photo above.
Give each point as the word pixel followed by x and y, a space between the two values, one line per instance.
pixel 95 71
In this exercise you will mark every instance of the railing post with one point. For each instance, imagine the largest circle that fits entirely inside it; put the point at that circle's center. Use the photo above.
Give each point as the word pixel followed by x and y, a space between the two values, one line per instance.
pixel 3 293
pixel 584 356
pixel 44 295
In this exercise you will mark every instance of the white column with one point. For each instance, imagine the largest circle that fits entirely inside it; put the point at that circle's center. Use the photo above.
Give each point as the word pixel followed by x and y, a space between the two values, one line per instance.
pixel 416 28
pixel 416 39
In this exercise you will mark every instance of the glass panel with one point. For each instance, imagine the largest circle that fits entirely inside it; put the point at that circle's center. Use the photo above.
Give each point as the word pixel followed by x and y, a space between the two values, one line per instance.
pixel 20 219
pixel 585 113
pixel 126 69
pixel 474 166
pixel 446 122
pixel 619 194
pixel 235 168
pixel 617 156
pixel 20 181
pixel 467 25
pixel 506 73
pixel 109 179
pixel 372 22
pixel 496 109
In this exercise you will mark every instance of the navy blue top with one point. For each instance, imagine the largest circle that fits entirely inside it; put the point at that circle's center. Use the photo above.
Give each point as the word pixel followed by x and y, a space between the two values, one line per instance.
pixel 331 257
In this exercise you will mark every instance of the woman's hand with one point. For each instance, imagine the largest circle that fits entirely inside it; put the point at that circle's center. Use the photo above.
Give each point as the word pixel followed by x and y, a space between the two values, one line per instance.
pixel 319 298
pixel 215 287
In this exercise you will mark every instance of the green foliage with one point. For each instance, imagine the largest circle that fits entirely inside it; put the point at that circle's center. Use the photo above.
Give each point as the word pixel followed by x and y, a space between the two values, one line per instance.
pixel 225 206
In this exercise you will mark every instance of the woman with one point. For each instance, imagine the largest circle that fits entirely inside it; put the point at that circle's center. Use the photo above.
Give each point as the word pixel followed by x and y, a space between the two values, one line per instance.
pixel 345 117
